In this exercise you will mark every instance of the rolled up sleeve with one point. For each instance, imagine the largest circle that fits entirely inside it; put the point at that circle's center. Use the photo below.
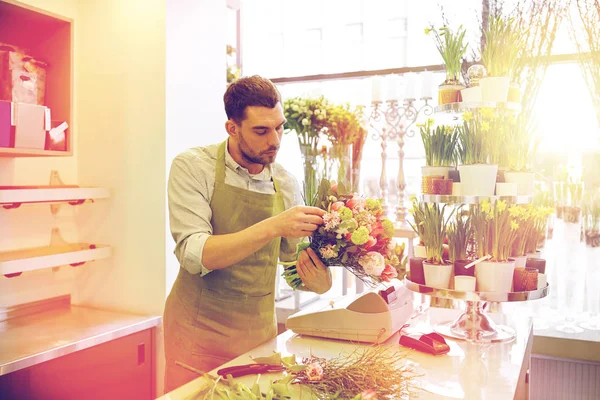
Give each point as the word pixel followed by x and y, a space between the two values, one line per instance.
pixel 292 198
pixel 189 214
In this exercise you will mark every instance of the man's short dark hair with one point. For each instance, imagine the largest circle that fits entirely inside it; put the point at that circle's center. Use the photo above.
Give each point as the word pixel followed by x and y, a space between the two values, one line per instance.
pixel 249 91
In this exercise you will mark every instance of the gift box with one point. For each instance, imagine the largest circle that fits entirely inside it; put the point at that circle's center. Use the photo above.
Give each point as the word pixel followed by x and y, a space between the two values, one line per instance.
pixel 22 78
pixel 30 124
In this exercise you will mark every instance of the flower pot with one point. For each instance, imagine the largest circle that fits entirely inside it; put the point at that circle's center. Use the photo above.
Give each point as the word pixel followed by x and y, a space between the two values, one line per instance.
pixel 453 174
pixel 493 276
pixel 536 263
pixel 460 270
pixel 524 181
pixel 442 186
pixel 416 274
pixel 472 94
pixel 437 276
pixel 464 283
pixel 420 251
pixel 494 88
pixel 520 261
pixel 525 279
pixel 456 189
pixel 571 214
pixel 427 186
pixel 514 93
pixel 449 93
pixel 478 179
pixel 542 281
pixel 435 171
pixel 506 189
pixel 536 254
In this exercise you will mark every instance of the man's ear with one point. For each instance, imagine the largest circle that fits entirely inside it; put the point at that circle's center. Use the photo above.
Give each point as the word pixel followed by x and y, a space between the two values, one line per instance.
pixel 231 128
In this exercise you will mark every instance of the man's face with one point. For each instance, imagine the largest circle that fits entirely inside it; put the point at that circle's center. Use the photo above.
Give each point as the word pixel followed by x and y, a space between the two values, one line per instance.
pixel 260 134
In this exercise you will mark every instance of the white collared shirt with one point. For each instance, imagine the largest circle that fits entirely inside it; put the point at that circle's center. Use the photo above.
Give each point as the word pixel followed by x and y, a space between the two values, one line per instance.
pixel 190 189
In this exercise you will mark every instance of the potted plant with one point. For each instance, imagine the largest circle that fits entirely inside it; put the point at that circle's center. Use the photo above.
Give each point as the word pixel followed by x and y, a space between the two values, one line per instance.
pixel 452 48
pixel 572 212
pixel 591 218
pixel 437 270
pixel 459 236
pixel 521 147
pixel 440 143
pixel 503 46
pixel 417 210
pixel 477 177
pixel 495 230
pixel 524 215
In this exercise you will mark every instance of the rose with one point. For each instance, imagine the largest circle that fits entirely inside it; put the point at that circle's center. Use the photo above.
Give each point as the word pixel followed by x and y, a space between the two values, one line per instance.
pixel 373 263
pixel 388 273
pixel 371 241
pixel 356 203
pixel 337 205
pixel 314 372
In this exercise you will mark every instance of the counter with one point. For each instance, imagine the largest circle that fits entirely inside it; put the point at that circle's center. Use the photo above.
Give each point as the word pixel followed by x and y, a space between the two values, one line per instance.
pixel 491 371
pixel 29 340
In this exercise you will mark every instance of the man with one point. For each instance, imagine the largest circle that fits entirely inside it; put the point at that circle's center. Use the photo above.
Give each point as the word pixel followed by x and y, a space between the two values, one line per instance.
pixel 233 213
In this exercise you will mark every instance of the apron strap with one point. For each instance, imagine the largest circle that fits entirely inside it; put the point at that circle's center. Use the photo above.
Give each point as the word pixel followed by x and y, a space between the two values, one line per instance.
pixel 220 166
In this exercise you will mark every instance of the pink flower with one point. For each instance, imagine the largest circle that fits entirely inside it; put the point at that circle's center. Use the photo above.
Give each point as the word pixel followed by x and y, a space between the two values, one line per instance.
pixel 371 241
pixel 368 395
pixel 334 187
pixel 388 273
pixel 337 205
pixel 373 263
pixel 332 220
pixel 314 372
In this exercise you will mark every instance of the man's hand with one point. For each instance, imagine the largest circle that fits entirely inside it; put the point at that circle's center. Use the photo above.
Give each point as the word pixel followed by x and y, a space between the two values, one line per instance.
pixel 297 222
pixel 314 274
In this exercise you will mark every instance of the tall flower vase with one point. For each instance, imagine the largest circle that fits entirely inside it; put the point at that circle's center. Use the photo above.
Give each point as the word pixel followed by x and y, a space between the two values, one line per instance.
pixel 341 170
pixel 310 158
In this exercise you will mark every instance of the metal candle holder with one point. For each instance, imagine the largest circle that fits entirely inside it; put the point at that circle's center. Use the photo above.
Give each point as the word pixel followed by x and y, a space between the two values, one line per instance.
pixel 394 123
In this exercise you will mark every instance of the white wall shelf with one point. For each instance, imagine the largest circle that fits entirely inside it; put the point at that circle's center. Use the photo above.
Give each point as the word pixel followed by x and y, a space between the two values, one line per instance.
pixel 15 262
pixel 14 196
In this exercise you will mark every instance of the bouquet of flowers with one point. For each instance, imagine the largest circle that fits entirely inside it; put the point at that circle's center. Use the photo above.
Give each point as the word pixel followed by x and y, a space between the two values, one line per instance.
pixel 355 236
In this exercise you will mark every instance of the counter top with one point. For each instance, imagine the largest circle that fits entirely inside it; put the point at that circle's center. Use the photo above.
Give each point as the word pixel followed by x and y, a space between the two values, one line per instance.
pixel 491 371
pixel 32 339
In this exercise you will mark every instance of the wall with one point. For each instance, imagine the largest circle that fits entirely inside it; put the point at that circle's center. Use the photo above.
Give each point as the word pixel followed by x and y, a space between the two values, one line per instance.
pixel 30 226
pixel 195 82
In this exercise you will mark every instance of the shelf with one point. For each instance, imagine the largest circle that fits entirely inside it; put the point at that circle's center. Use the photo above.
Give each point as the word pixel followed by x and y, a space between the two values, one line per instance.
pixel 465 106
pixel 13 196
pixel 12 152
pixel 450 199
pixel 17 261
pixel 476 296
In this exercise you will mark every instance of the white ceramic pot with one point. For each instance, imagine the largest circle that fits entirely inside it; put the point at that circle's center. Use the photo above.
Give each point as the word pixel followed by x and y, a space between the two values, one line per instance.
pixel 435 171
pixel 494 88
pixel 438 276
pixel 520 261
pixel 478 179
pixel 494 276
pixel 542 281
pixel 524 181
pixel 464 283
pixel 506 189
pixel 456 189
pixel 472 94
pixel 420 251
pixel 537 254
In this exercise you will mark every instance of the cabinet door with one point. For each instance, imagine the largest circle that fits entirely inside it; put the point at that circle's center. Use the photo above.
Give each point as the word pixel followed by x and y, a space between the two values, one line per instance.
pixel 119 369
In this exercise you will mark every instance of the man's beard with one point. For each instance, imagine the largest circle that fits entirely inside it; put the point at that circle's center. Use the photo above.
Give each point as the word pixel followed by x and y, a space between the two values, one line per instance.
pixel 250 156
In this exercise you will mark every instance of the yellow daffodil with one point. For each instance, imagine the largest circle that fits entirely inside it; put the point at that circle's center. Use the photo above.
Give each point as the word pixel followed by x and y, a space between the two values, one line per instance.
pixel 514 225
pixel 515 211
pixel 488 113
pixel 486 207
pixel 428 30
pixel 467 116
pixel 485 126
pixel 501 205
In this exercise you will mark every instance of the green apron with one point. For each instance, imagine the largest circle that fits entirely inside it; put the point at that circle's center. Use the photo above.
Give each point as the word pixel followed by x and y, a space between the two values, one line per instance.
pixel 211 319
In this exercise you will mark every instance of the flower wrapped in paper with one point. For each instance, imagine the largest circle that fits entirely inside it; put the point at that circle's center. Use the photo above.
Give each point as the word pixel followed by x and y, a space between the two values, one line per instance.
pixel 355 235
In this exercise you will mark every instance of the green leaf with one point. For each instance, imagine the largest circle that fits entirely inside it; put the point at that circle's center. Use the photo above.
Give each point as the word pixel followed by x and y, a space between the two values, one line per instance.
pixel 280 389
pixel 289 360
pixel 275 359
pixel 297 368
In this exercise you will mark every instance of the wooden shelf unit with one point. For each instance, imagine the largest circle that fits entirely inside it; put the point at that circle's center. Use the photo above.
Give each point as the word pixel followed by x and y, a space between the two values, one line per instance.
pixel 49 38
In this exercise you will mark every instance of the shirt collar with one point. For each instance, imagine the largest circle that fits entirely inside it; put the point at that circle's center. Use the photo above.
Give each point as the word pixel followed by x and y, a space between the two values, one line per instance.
pixel 264 175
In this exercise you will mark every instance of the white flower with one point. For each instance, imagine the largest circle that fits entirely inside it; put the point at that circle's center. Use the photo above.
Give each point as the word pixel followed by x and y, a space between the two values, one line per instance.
pixel 317 112
pixel 328 251
pixel 305 122
pixel 332 220
pixel 373 263
pixel 295 107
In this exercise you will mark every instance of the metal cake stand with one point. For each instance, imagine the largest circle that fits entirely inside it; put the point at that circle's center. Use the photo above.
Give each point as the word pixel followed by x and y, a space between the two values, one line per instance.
pixel 474 324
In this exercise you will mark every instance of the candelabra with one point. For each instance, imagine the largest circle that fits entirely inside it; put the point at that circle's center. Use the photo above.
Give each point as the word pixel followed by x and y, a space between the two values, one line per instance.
pixel 395 123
